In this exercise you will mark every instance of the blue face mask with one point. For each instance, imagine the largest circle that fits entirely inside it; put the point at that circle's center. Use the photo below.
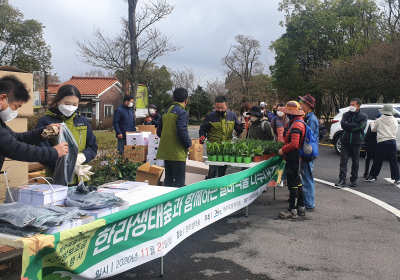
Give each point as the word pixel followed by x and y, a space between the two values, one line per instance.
pixel 291 117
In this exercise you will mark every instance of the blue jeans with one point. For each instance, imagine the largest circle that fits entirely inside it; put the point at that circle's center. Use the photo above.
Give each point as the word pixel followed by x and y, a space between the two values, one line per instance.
pixel 121 144
pixel 307 179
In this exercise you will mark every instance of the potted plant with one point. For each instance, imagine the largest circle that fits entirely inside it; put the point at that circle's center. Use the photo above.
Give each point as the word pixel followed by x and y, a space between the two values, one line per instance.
pixel 249 152
pixel 214 151
pixel 258 153
pixel 225 150
pixel 239 152
pixel 275 148
pixel 267 146
pixel 218 151
pixel 209 147
pixel 232 153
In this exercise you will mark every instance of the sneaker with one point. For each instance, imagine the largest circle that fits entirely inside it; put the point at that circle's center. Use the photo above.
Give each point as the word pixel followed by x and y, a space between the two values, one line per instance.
pixel 365 175
pixel 396 182
pixel 289 214
pixel 370 179
pixel 341 183
pixel 310 209
pixel 301 211
pixel 353 184
pixel 280 184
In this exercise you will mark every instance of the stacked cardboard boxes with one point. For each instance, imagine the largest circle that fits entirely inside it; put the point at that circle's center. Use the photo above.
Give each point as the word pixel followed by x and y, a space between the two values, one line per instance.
pixel 154 142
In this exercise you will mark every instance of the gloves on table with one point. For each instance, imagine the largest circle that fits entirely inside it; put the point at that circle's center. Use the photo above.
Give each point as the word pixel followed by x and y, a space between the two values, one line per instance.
pixel 202 139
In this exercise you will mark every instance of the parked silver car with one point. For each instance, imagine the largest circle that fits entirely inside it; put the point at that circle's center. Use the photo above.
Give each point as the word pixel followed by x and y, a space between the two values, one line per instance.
pixel 371 110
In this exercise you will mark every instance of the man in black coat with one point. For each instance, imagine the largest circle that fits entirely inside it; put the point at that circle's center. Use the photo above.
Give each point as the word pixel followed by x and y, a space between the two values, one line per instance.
pixel 18 146
pixel 353 123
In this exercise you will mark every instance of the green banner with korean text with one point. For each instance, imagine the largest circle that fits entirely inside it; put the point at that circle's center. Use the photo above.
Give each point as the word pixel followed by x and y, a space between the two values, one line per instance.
pixel 145 231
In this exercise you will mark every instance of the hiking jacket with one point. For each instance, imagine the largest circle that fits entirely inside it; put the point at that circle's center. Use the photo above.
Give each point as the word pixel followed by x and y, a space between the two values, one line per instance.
pixel 312 121
pixel 370 141
pixel 278 125
pixel 245 131
pixel 173 133
pixel 260 130
pixel 218 128
pixel 18 146
pixel 386 128
pixel 294 139
pixel 353 124
pixel 80 129
pixel 124 120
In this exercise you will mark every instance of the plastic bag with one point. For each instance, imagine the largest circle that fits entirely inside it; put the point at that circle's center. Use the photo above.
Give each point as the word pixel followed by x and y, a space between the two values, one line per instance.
pixel 27 219
pixel 92 200
pixel 85 189
pixel 64 170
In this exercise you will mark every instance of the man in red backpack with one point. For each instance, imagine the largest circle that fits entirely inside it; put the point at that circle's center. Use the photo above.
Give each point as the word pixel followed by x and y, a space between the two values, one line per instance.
pixel 294 140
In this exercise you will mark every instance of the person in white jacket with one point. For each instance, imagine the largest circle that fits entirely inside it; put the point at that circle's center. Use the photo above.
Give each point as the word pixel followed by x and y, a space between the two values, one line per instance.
pixel 386 128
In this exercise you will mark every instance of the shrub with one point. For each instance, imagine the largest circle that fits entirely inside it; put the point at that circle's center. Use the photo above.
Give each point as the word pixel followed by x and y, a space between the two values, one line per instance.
pixel 195 121
pixel 33 120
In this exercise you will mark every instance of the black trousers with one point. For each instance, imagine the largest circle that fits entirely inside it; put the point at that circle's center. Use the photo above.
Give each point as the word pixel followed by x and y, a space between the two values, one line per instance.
pixel 294 184
pixel 212 171
pixel 368 157
pixel 390 150
pixel 345 153
pixel 175 172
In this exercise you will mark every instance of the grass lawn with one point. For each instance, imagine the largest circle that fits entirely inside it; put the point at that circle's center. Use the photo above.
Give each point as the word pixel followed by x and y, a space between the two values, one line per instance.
pixel 106 140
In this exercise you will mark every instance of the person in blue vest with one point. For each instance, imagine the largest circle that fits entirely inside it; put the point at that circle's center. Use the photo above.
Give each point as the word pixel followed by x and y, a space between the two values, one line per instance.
pixel 307 103
pixel 124 121
pixel 63 110
pixel 175 140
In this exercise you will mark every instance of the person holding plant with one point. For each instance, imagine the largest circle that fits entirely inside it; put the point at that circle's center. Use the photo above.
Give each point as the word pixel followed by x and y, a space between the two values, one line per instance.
pixel 307 103
pixel 63 109
pixel 154 117
pixel 280 123
pixel 259 129
pixel 245 119
pixel 175 140
pixel 294 140
pixel 218 126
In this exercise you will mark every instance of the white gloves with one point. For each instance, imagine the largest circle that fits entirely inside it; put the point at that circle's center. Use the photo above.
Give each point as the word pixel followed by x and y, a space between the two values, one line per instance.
pixel 80 159
pixel 82 171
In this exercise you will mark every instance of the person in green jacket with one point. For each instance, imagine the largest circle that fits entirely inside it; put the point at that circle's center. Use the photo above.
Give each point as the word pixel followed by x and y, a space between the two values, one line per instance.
pixel 259 128
pixel 174 139
pixel 218 126
pixel 63 108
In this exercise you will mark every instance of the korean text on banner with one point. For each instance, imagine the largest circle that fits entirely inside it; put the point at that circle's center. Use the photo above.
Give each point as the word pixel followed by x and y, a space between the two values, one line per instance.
pixel 145 231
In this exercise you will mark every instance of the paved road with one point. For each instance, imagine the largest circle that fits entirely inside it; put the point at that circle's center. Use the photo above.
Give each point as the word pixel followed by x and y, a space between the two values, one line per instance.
pixel 347 237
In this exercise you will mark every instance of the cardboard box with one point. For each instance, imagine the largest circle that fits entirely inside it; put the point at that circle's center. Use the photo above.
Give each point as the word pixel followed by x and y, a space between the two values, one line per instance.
pixel 149 174
pixel 27 78
pixel 196 152
pixel 135 153
pixel 140 138
pixel 196 167
pixel 17 174
pixel 195 141
pixel 36 174
pixel 151 159
pixel 35 166
pixel 154 140
pixel 152 151
pixel 149 128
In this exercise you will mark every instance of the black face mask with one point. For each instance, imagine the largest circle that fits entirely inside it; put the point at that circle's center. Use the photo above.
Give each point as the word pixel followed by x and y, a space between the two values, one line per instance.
pixel 221 113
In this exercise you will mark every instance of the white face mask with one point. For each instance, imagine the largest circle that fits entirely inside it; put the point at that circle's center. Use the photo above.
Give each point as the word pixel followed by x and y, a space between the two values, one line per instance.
pixel 245 114
pixel 352 108
pixel 67 110
pixel 130 105
pixel 8 114
pixel 152 111
pixel 280 113
pixel 253 119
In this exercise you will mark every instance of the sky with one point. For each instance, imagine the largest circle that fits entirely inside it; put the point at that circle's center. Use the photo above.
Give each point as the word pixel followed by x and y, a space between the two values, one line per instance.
pixel 205 29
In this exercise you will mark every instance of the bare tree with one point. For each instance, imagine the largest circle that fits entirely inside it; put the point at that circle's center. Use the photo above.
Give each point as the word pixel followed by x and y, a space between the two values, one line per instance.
pixel 391 9
pixel 243 61
pixel 97 72
pixel 38 79
pixel 187 78
pixel 138 44
pixel 216 87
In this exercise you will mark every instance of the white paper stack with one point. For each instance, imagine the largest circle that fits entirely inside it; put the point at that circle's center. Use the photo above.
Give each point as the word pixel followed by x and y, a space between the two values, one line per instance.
pixel 42 194
pixel 98 213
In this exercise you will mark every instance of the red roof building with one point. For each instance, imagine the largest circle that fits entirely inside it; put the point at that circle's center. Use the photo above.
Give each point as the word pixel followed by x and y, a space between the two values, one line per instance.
pixel 100 95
